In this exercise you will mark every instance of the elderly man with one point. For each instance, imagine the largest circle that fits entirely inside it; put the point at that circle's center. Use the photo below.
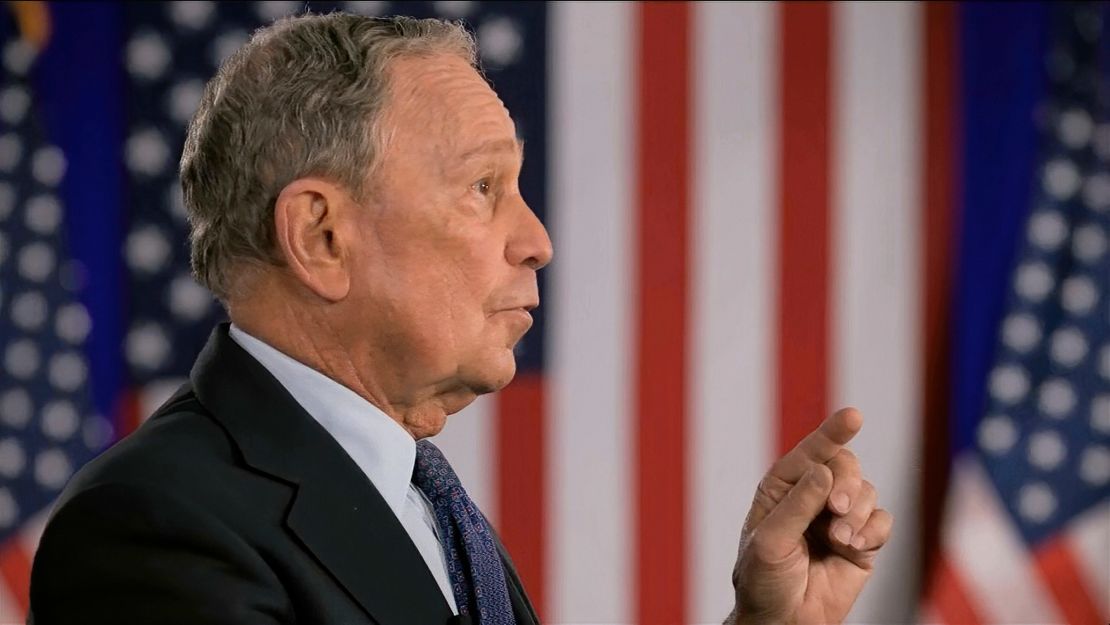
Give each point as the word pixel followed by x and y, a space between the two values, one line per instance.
pixel 352 192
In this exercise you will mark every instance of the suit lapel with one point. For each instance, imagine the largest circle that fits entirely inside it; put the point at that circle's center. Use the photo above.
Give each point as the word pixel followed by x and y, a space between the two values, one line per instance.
pixel 337 514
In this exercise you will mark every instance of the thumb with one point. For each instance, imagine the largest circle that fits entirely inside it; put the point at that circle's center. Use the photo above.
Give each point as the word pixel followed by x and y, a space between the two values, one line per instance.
pixel 780 532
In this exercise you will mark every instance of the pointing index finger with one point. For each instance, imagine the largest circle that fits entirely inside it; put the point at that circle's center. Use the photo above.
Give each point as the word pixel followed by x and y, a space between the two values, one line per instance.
pixel 820 445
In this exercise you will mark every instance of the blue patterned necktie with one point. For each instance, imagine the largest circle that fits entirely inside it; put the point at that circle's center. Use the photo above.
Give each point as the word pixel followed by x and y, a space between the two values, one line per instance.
pixel 473 564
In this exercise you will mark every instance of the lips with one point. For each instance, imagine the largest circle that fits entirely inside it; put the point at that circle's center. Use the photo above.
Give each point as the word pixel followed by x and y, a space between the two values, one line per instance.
pixel 526 307
pixel 519 313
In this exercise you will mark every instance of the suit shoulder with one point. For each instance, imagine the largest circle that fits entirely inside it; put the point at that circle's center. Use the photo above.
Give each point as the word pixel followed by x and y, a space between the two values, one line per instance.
pixel 180 448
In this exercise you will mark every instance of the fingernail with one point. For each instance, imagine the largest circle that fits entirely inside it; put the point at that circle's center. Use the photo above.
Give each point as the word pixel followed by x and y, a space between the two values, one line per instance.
pixel 841 502
pixel 843 533
pixel 858 543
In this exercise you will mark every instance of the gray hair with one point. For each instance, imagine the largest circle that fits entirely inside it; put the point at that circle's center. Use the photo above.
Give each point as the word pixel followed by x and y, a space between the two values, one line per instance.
pixel 302 98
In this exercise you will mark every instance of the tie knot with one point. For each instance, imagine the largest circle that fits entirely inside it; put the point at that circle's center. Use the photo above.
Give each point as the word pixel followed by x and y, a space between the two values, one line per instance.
pixel 433 474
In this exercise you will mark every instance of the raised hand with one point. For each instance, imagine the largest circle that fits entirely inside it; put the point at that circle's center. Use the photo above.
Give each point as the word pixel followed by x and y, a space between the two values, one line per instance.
pixel 812 533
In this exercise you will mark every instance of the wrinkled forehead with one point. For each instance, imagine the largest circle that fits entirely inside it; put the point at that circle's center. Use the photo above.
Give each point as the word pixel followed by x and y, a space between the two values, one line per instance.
pixel 444 103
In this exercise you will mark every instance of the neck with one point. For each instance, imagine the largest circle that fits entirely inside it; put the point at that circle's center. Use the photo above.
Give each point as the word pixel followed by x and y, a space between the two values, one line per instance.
pixel 305 333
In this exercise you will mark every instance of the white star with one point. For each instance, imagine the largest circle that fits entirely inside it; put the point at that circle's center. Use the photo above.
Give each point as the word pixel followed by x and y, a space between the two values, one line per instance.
pixel 147 152
pixel 225 45
pixel 11 150
pixel 15 408
pixel 12 458
pixel 1096 192
pixel 1089 243
pixel 72 323
pixel 1104 362
pixel 1036 502
pixel 1075 128
pixel 1048 229
pixel 271 10
pixel 1102 141
pixel 7 200
pixel 14 102
pixel 48 165
pixel 453 8
pixel 1021 332
pixel 18 56
pixel 43 214
pixel 1034 281
pixel 9 510
pixel 22 359
pixel 1100 414
pixel 1046 450
pixel 1068 347
pixel 147 55
pixel 147 249
pixel 147 346
pixel 1056 398
pixel 59 420
pixel 1009 384
pixel 189 300
pixel 175 199
pixel 365 7
pixel 52 469
pixel 193 14
pixel 29 310
pixel 67 371
pixel 1094 465
pixel 183 99
pixel 997 434
pixel 96 432
pixel 1078 295
pixel 499 41
pixel 1061 178
pixel 36 261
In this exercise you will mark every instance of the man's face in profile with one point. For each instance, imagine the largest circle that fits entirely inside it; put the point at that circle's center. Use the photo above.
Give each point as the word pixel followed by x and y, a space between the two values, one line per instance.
pixel 448 248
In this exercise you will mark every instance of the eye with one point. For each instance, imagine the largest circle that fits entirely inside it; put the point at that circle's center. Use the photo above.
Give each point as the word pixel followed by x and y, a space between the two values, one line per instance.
pixel 483 186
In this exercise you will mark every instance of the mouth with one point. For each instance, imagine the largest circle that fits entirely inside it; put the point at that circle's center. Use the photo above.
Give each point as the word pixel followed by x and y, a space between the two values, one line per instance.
pixel 521 314
pixel 526 307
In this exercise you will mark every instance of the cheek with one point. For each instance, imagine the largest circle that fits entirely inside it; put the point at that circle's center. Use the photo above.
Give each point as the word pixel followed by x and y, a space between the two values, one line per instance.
pixel 437 279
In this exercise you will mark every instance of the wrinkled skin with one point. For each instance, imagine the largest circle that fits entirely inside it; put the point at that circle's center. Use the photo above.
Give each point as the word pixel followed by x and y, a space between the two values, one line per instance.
pixel 414 297
pixel 811 537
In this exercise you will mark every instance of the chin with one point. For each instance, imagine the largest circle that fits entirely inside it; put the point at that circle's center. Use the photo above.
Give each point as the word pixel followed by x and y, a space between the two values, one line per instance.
pixel 426 426
pixel 491 373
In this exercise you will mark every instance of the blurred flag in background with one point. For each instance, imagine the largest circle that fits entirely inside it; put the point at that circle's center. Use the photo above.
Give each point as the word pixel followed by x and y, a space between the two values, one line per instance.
pixel 1026 538
pixel 760 212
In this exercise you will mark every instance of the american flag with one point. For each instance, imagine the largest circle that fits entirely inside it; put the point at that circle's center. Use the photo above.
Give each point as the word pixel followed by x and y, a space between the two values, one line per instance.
pixel 759 213
pixel 1027 514
pixel 48 425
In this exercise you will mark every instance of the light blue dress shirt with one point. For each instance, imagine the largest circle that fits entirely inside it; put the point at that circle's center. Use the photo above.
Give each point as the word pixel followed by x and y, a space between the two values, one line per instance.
pixel 384 450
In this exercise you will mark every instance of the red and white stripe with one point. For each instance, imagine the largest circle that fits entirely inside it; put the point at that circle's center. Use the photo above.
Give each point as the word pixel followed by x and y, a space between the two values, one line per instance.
pixel 986 574
pixel 736 204
pixel 15 569
pixel 750 209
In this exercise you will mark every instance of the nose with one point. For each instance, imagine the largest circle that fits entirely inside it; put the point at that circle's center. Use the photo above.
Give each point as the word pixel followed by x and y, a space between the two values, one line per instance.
pixel 529 245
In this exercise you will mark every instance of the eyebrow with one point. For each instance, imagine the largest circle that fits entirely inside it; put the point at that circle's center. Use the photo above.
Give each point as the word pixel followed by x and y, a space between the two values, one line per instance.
pixel 495 145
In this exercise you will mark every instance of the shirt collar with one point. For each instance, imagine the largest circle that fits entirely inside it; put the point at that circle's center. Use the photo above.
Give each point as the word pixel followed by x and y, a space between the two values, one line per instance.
pixel 384 450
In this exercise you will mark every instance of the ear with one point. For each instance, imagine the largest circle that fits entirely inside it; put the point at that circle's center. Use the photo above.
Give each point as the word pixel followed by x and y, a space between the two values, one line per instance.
pixel 312 223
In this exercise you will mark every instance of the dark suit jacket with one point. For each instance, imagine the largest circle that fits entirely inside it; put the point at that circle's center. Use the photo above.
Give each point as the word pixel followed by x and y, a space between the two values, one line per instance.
pixel 232 505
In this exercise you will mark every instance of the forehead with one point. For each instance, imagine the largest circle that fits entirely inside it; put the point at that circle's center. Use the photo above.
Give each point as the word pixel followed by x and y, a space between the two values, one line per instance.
pixel 444 100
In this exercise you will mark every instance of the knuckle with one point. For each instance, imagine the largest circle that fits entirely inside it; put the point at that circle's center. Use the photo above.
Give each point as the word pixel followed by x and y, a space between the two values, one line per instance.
pixel 846 456
pixel 821 477
pixel 759 547
pixel 867 489
pixel 767 549
pixel 771 490
pixel 879 528
pixel 884 518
